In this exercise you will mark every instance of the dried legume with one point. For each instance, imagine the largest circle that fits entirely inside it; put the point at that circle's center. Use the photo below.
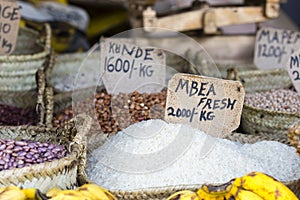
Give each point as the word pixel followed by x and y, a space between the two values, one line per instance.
pixel 17 154
pixel 14 116
pixel 115 113
pixel 277 99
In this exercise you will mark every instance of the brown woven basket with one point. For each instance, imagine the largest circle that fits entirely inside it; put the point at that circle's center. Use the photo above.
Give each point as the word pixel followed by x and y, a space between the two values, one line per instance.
pixel 258 121
pixel 294 136
pixel 258 80
pixel 164 192
pixel 61 173
pixel 17 74
pixel 37 98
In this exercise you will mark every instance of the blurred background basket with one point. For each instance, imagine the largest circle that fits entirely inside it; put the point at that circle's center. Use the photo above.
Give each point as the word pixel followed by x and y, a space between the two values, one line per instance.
pixel 17 74
pixel 260 80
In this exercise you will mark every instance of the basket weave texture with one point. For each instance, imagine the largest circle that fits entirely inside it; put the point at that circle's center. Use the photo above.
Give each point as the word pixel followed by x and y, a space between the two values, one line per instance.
pixel 258 121
pixel 18 70
pixel 61 173
pixel 294 136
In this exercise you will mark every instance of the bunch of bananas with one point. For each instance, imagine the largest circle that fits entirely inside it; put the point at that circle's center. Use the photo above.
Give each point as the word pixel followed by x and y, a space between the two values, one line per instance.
pixel 253 186
pixel 85 192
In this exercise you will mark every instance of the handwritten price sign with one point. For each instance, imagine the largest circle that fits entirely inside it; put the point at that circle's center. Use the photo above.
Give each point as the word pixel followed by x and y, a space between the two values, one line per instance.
pixel 273 47
pixel 293 68
pixel 209 104
pixel 127 67
pixel 9 26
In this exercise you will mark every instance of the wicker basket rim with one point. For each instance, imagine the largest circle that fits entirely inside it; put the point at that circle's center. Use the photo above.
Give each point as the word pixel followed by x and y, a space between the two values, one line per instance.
pixel 21 57
pixel 41 167
pixel 72 146
pixel 181 187
pixel 261 72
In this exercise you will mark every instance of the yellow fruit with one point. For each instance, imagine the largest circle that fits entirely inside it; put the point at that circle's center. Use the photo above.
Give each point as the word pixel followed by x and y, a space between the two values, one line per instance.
pixel 12 192
pixel 183 194
pixel 30 193
pixel 95 192
pixel 219 192
pixel 240 194
pixel 53 192
pixel 264 186
pixel 70 195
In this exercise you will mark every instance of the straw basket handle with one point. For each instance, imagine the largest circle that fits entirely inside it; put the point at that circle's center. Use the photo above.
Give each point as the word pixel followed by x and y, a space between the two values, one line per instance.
pixel 294 137
pixel 40 106
pixel 232 74
pixel 83 124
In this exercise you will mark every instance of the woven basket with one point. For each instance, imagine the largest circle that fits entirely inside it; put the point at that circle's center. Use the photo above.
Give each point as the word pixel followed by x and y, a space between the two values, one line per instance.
pixel 164 192
pixel 61 173
pixel 294 136
pixel 37 98
pixel 258 80
pixel 258 121
pixel 17 74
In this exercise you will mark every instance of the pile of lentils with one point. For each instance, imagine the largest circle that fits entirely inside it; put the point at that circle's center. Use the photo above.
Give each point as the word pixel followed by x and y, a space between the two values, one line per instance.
pixel 283 100
pixel 116 112
pixel 14 116
pixel 18 154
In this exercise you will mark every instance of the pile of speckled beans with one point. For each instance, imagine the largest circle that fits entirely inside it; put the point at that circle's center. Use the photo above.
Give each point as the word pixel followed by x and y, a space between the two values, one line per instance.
pixel 18 154
pixel 115 113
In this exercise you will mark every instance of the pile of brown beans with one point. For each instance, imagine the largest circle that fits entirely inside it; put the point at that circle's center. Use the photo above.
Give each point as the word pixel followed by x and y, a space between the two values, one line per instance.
pixel 283 100
pixel 14 116
pixel 18 154
pixel 115 113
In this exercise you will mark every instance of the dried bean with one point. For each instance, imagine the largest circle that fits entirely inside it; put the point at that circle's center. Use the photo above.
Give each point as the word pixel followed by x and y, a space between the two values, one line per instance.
pixel 20 143
pixel 115 113
pixel 21 153
pixel 15 116
pixel 17 154
pixel 2 147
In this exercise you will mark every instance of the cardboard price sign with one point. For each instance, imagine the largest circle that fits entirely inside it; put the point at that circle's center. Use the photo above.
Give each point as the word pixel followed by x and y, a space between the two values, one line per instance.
pixel 273 47
pixel 293 68
pixel 9 26
pixel 209 104
pixel 127 67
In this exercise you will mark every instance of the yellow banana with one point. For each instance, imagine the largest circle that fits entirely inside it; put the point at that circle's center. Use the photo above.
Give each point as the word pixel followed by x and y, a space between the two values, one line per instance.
pixel 240 194
pixel 70 195
pixel 220 192
pixel 95 192
pixel 30 193
pixel 12 192
pixel 53 192
pixel 184 194
pixel 264 186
